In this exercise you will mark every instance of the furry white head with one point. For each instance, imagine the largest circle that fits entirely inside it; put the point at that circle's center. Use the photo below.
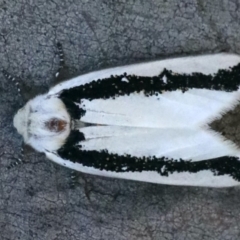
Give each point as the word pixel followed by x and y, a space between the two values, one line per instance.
pixel 43 122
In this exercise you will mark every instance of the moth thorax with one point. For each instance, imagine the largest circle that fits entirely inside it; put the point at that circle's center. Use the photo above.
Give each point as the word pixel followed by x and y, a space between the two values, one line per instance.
pixel 45 124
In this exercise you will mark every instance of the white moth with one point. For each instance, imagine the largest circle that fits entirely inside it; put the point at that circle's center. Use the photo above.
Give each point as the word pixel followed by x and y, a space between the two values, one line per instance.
pixel 147 122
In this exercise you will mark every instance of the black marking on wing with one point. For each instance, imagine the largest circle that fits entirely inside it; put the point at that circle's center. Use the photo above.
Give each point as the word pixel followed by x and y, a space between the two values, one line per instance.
pixel 224 80
pixel 103 160
pixel 74 137
pixel 74 111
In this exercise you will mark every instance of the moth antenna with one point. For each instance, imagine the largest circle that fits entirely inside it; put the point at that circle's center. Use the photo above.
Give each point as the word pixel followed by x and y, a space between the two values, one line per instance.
pixel 13 79
pixel 15 163
pixel 61 58
pixel 18 161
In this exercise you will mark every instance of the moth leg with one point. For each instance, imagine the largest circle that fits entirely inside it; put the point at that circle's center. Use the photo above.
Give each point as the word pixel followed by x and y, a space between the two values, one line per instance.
pixel 62 73
pixel 73 179
pixel 88 187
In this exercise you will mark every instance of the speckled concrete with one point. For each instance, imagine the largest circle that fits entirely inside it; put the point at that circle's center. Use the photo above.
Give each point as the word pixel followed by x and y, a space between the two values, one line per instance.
pixel 35 200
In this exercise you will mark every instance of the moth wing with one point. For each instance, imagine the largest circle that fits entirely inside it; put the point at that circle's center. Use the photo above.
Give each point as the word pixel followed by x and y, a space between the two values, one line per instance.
pixel 205 178
pixel 188 144
pixel 206 64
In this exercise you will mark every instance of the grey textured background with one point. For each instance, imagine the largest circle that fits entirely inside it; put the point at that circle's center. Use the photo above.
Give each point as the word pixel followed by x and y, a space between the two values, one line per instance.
pixel 35 200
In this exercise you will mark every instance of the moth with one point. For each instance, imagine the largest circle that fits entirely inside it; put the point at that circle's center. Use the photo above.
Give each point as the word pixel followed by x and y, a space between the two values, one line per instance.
pixel 146 122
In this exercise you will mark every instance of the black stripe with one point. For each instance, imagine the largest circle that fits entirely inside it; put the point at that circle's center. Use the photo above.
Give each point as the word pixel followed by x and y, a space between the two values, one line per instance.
pixel 74 138
pixel 224 80
pixel 103 160
pixel 74 111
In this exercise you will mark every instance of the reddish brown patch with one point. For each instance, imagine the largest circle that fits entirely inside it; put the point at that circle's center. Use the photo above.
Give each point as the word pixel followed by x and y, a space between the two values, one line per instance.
pixel 229 125
pixel 56 125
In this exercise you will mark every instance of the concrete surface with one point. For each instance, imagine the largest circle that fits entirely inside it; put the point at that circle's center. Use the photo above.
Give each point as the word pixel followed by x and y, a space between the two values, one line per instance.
pixel 35 200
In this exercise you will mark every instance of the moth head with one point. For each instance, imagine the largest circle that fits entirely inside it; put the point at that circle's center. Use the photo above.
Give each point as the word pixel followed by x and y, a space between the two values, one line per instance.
pixel 20 121
pixel 43 122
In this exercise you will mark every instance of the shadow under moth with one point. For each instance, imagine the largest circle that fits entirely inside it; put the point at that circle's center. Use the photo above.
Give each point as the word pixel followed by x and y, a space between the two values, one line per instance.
pixel 147 122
